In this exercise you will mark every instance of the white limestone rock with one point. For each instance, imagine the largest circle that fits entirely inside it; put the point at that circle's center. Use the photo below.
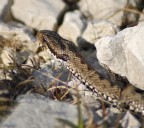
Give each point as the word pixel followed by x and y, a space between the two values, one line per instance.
pixel 37 111
pixel 72 26
pixel 38 14
pixel 16 41
pixel 110 10
pixel 19 35
pixel 124 54
pixel 98 29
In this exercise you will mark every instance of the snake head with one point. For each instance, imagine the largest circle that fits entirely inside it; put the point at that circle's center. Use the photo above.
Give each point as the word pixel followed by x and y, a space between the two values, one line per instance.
pixel 54 42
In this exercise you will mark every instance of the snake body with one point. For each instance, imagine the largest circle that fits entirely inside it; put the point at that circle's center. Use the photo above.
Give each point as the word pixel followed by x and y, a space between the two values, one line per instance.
pixel 67 52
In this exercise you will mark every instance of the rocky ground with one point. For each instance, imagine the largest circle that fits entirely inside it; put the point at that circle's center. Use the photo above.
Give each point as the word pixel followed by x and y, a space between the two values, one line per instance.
pixel 39 91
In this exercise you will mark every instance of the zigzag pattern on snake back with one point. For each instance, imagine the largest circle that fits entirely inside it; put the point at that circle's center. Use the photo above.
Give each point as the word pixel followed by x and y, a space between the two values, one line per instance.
pixel 67 52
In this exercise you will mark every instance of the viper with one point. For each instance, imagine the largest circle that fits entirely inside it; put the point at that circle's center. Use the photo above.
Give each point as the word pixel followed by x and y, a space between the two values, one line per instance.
pixel 67 52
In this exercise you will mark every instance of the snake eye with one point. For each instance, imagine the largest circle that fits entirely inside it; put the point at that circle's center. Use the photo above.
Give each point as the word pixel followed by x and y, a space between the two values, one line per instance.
pixel 65 57
pixel 44 38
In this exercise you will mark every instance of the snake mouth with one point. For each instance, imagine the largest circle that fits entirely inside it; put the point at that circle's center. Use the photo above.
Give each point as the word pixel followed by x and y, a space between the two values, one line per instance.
pixel 42 46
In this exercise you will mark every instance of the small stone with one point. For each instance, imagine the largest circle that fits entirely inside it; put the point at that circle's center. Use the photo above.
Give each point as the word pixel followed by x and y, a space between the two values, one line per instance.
pixel 43 14
pixel 45 55
pixel 16 41
pixel 98 29
pixel 18 36
pixel 129 121
pixel 110 10
pixel 72 26
pixel 49 72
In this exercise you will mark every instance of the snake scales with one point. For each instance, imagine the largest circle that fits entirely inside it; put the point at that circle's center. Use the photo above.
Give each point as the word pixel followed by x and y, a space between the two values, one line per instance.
pixel 67 52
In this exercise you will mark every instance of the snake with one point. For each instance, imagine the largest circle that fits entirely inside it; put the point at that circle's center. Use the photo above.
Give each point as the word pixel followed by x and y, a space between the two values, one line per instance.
pixel 66 51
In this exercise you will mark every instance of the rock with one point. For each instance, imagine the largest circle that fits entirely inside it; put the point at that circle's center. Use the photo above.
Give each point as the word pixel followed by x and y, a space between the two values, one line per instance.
pixel 98 29
pixel 23 55
pixel 39 15
pixel 114 118
pixel 17 42
pixel 95 30
pixel 46 55
pixel 18 36
pixel 6 55
pixel 72 26
pixel 104 10
pixel 52 72
pixel 110 118
pixel 5 9
pixel 36 111
pixel 129 121
pixel 124 54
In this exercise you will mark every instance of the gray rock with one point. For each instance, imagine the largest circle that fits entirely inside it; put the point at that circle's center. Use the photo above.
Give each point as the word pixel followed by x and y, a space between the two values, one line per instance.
pixel 19 57
pixel 104 10
pixel 16 37
pixel 98 29
pixel 124 54
pixel 45 55
pixel 19 35
pixel 43 14
pixel 52 72
pixel 129 121
pixel 35 111
pixel 72 26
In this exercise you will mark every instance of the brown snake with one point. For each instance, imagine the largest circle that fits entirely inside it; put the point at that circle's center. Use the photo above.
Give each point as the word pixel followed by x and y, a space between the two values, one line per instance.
pixel 67 52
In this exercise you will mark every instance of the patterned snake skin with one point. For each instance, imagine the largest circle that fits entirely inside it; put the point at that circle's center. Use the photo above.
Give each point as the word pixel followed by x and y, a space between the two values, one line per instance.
pixel 67 52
